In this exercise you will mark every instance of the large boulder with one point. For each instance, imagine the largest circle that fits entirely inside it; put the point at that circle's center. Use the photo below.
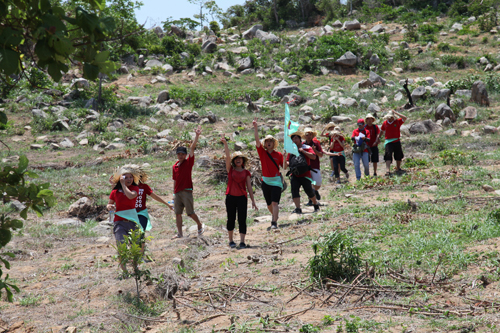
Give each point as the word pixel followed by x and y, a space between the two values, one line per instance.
pixel 443 93
pixel 348 59
pixel 374 77
pixel 470 113
pixel 267 37
pixel 153 63
pixel 169 70
pixel 80 83
pixel 177 31
pixel 352 25
pixel 37 113
pixel 479 94
pixel 209 47
pixel 250 33
pixel 374 60
pixel 244 63
pixel 444 111
pixel 162 96
pixel 282 91
pixel 424 127
pixel 348 102
pixel 81 208
pixel 419 93
pixel 340 119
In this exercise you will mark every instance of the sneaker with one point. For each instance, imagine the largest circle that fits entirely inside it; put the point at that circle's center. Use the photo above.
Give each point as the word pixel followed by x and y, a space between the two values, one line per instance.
pixel 347 175
pixel 243 245
pixel 316 208
pixel 400 172
pixel 297 211
pixel 374 175
pixel 318 196
pixel 274 225
pixel 310 203
pixel 232 244
pixel 332 174
pixel 338 181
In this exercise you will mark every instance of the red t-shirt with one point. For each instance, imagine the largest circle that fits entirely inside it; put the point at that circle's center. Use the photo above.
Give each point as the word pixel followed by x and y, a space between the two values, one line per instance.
pixel 122 202
pixel 392 130
pixel 144 191
pixel 182 174
pixel 315 164
pixel 268 167
pixel 366 139
pixel 308 160
pixel 374 131
pixel 337 147
pixel 236 182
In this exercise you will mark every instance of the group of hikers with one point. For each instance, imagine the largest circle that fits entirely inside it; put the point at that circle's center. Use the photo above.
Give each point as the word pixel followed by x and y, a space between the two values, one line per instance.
pixel 128 198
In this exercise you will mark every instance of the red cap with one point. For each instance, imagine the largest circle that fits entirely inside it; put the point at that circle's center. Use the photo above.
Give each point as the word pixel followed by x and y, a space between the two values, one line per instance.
pixel 361 120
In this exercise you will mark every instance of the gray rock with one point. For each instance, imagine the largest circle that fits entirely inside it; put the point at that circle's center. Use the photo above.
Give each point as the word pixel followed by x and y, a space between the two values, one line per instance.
pixel 36 146
pixel 484 61
pixel 430 80
pixel 114 145
pixel 17 205
pixel 377 28
pixel 162 96
pixel 81 208
pixel 446 122
pixel 348 102
pixel 244 63
pixel 80 83
pixel 281 91
pixel 83 142
pixel 176 30
pixel 158 31
pixel 209 46
pixel 303 119
pixel 277 69
pixel 470 113
pixel 488 68
pixel 140 60
pixel 240 145
pixel 340 119
pixel 443 93
pixel 348 59
pixel 169 70
pixel 450 132
pixel 444 111
pixel 424 127
pixel 60 125
pixel 419 93
pixel 66 143
pixel 352 25
pixel 144 101
pixel 374 60
pixel 37 113
pixel 488 188
pixel 404 45
pixel 432 188
pixel 267 37
pixel 457 26
pixel 479 94
pixel 337 24
pixel 465 93
pixel 68 222
pixel 398 97
pixel 250 33
pixel 212 118
pixel 373 108
pixel 457 102
pixel 154 63
pixel 123 70
pixel 363 102
pixel 247 71
pixel 490 129
pixel 374 77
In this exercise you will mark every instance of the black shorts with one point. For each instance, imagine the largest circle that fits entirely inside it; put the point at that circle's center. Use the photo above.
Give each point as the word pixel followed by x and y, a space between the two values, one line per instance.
pixel 144 223
pixel 394 148
pixel 374 158
pixel 271 193
pixel 122 228
pixel 297 182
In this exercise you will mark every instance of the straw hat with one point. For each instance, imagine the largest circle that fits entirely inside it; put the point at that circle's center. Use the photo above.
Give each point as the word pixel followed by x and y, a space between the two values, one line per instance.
pixel 336 132
pixel 144 169
pixel 310 130
pixel 390 114
pixel 239 154
pixel 299 133
pixel 270 137
pixel 369 115
pixel 128 168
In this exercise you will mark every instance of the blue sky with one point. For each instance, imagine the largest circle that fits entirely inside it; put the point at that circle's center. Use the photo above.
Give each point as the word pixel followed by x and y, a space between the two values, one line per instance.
pixel 153 12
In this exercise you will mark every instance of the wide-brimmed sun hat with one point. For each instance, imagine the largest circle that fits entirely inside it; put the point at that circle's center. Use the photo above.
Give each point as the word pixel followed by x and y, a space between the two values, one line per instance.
pixel 128 168
pixel 310 130
pixel 299 133
pixel 336 132
pixel 369 115
pixel 270 137
pixel 239 154
pixel 390 114
pixel 144 169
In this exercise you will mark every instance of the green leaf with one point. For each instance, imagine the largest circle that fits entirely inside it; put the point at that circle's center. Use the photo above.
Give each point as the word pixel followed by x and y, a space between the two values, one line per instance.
pixel 44 5
pixel 101 57
pixel 55 70
pixel 87 21
pixel 24 213
pixel 23 164
pixel 43 50
pixel 90 72
pixel 5 237
pixel 37 210
pixel 5 262
pixel 31 174
pixel 9 61
pixel 3 118
pixel 44 193
pixel 12 255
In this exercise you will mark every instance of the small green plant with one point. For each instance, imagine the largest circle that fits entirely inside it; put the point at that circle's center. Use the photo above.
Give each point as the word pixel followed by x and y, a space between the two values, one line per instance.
pixel 456 157
pixel 445 47
pixel 30 300
pixel 335 257
pixel 416 163
pixel 494 216
pixel 328 320
pixel 309 328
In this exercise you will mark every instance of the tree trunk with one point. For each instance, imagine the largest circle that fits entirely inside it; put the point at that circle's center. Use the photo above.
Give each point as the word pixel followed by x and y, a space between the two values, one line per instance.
pixel 275 12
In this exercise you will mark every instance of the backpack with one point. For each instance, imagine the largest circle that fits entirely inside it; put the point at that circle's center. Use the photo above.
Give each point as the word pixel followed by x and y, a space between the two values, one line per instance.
pixel 298 165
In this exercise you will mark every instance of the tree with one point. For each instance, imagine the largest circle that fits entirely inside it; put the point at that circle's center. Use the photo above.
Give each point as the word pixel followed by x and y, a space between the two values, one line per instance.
pixel 200 16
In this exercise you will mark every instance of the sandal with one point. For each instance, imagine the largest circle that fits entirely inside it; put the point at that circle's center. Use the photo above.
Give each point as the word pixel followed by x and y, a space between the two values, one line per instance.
pixel 177 236
pixel 388 174
pixel 201 231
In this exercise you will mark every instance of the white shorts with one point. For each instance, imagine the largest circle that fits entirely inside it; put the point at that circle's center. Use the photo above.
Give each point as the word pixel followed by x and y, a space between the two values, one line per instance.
pixel 316 176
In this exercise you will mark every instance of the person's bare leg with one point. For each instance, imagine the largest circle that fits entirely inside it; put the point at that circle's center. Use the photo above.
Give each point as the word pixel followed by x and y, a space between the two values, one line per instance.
pixel 275 211
pixel 197 220
pixel 398 165
pixel 242 238
pixel 313 199
pixel 178 221
pixel 388 166
pixel 230 234
pixel 296 201
pixel 270 208
pixel 375 168
pixel 317 187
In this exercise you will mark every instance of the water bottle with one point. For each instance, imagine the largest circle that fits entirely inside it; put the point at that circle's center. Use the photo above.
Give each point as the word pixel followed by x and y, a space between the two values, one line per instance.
pixel 112 216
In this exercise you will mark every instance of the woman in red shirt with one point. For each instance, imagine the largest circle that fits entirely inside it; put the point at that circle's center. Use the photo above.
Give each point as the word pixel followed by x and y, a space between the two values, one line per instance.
pixel 238 183
pixel 337 155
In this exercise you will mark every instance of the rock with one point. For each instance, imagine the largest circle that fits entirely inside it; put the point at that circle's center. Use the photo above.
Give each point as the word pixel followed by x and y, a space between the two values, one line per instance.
pixel 337 24
pixel 37 113
pixel 497 68
pixel 244 63
pixel 123 70
pixel 169 70
pixel 398 70
pixel 176 30
pixel 36 146
pixel 443 93
pixel 71 222
pixel 374 60
pixel 374 77
pixel 340 119
pixel 158 31
pixel 470 113
pixel 116 145
pixel 212 118
pixel 144 101
pixel 348 59
pixel 450 132
pixel 281 91
pixel 457 26
pixel 419 93
pixel 102 239
pixel 446 122
pixel 80 83
pixel 348 102
pixel 83 142
pixel 352 25
pixel 398 97
pixel 240 145
pixel 154 63
pixel 463 92
pixel 430 80
pixel 373 108
pixel 457 102
pixel 444 111
pixel 178 262
pixel 66 143
pixel 17 205
pixel 479 94
pixel 209 46
pixel 424 127
pixel 377 28
pixel 488 188
pixel 432 188
pixel 162 96
pixel 490 129
pixel 305 119
pixel 488 68
pixel 60 125
pixel 81 208
pixel 267 37
pixel 484 61
pixel 250 33
pixel 404 45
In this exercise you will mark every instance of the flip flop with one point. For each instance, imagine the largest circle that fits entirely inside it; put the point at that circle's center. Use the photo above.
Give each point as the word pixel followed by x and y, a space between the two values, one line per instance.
pixel 177 236
pixel 201 231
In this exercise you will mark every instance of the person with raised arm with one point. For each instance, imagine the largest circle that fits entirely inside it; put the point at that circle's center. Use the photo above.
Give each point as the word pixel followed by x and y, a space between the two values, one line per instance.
pixel 391 131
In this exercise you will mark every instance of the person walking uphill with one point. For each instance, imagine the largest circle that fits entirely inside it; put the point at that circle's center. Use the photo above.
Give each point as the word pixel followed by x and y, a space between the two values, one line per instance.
pixel 361 138
pixel 299 176
pixel 238 183
pixel 391 129
pixel 122 200
pixel 337 155
pixel 272 182
pixel 373 144
pixel 311 141
pixel 183 186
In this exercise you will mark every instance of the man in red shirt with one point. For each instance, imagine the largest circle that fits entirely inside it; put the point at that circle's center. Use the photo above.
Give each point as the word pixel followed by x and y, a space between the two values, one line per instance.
pixel 391 130
pixel 303 179
pixel 271 161
pixel 312 141
pixel 373 144
pixel 183 186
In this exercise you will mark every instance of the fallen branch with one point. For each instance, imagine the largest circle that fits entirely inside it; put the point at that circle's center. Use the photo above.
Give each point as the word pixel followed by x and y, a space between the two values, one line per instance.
pixel 237 291
pixel 143 318
pixel 207 319
pixel 300 292
pixel 286 317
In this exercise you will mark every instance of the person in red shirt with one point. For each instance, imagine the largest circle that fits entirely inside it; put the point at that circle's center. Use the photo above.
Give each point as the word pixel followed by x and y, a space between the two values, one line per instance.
pixel 183 186
pixel 337 155
pixel 122 202
pixel 272 180
pixel 312 141
pixel 373 144
pixel 238 183
pixel 391 130
pixel 361 138
pixel 304 179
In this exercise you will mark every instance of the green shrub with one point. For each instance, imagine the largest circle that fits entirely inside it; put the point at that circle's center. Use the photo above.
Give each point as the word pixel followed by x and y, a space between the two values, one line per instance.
pixel 156 49
pixel 488 21
pixel 402 54
pixel 172 45
pixel 214 26
pixel 494 216
pixel 335 257
pixel 449 60
pixel 445 47
pixel 416 163
pixel 429 29
pixel 466 30
pixel 456 157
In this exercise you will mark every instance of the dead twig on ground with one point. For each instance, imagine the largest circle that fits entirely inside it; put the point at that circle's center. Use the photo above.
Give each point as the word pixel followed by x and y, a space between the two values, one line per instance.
pixel 300 292
pixel 237 291
pixel 286 317
pixel 207 319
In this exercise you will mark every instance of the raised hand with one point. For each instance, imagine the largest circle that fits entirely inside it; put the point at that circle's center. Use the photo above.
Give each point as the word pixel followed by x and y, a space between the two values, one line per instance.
pixel 223 138
pixel 254 122
pixel 198 130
